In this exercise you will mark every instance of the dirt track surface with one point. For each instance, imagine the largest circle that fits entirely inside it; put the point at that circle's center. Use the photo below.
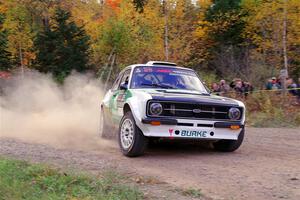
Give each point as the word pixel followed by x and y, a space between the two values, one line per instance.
pixel 267 166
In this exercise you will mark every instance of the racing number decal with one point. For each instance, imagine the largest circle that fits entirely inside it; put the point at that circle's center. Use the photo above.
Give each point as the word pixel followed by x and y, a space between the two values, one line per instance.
pixel 121 99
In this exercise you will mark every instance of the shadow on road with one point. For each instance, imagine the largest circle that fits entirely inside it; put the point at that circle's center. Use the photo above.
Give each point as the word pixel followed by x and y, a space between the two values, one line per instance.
pixel 176 147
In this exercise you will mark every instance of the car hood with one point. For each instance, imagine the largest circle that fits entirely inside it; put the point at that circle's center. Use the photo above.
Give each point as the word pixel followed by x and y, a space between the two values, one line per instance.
pixel 189 96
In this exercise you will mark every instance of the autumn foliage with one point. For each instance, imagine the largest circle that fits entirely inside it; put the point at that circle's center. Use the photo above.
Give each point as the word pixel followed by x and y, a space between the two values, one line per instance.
pixel 227 38
pixel 114 4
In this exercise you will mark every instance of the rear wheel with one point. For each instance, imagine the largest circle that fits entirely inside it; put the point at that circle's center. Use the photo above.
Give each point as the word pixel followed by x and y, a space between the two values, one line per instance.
pixel 229 145
pixel 105 128
pixel 131 139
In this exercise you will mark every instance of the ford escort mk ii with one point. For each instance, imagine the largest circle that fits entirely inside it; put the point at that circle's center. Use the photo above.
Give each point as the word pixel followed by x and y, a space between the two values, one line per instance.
pixel 162 100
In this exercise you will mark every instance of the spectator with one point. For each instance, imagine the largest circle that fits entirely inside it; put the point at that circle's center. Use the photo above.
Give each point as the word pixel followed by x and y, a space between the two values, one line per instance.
pixel 248 88
pixel 269 84
pixel 238 87
pixel 298 90
pixel 215 88
pixel 234 81
pixel 223 87
pixel 273 84
pixel 291 86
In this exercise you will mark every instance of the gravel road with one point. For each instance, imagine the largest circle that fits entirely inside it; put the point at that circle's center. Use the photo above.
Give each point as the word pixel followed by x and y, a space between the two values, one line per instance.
pixel 267 166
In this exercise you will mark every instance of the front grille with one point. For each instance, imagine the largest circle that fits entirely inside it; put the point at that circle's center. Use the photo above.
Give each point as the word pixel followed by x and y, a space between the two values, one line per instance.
pixel 194 110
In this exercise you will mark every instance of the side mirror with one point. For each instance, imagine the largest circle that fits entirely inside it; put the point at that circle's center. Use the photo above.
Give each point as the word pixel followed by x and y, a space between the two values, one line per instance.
pixel 124 86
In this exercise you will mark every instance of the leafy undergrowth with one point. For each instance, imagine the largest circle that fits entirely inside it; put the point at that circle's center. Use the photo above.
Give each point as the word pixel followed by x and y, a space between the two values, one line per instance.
pixel 272 110
pixel 276 119
pixel 194 193
pixel 21 180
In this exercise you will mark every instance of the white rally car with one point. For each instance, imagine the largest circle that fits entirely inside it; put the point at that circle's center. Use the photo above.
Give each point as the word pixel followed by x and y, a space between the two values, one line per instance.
pixel 162 100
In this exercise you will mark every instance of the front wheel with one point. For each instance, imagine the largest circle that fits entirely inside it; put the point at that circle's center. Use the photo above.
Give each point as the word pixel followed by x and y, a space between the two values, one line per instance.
pixel 230 145
pixel 131 139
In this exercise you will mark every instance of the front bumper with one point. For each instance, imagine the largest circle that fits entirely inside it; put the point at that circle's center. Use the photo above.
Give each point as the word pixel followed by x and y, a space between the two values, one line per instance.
pixel 186 128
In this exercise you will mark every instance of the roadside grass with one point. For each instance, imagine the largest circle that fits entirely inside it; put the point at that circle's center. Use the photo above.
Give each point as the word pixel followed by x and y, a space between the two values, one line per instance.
pixel 191 192
pixel 272 110
pixel 277 119
pixel 22 180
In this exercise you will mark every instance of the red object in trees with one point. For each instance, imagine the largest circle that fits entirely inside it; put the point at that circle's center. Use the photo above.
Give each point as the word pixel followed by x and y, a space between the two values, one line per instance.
pixel 5 75
pixel 114 4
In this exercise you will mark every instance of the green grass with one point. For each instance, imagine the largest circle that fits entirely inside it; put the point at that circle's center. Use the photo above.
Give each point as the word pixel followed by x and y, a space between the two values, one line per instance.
pixel 191 192
pixel 195 193
pixel 22 180
pixel 276 119
pixel 272 110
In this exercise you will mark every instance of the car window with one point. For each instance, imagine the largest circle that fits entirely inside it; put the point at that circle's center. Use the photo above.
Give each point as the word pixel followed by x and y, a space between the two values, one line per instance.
pixel 116 83
pixel 166 77
pixel 125 77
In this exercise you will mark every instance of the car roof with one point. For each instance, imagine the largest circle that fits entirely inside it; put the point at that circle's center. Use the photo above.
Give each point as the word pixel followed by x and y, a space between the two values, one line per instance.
pixel 157 64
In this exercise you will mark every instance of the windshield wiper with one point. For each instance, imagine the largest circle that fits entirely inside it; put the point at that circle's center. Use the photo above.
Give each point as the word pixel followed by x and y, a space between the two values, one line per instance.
pixel 158 85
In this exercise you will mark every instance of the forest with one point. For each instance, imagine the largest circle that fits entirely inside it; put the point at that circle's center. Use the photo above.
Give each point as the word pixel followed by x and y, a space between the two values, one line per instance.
pixel 249 39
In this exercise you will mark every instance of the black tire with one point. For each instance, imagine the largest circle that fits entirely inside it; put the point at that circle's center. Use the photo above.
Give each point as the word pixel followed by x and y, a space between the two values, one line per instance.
pixel 229 145
pixel 139 141
pixel 105 128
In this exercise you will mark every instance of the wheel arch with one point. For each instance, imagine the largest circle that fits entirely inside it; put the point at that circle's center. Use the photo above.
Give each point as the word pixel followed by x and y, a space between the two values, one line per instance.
pixel 126 108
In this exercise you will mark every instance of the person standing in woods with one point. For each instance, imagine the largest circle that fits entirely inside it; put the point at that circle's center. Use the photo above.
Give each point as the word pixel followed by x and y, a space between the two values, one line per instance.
pixel 215 88
pixel 291 86
pixel 223 87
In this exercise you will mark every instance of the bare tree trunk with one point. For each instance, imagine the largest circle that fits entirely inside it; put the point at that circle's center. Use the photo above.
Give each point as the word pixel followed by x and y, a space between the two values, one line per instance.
pixel 110 70
pixel 166 30
pixel 21 60
pixel 284 45
pixel 106 65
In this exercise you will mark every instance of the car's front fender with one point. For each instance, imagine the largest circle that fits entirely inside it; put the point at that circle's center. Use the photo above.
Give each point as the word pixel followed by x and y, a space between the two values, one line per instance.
pixel 137 101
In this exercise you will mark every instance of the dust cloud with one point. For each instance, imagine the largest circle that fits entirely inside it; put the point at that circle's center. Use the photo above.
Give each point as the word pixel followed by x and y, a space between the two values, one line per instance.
pixel 34 108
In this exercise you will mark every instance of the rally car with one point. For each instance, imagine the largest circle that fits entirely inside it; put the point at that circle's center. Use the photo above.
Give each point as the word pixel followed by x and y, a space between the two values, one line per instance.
pixel 163 100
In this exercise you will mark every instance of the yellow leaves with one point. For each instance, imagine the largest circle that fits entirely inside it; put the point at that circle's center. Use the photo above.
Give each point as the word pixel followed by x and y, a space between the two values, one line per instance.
pixel 200 32
pixel 264 28
pixel 204 4
pixel 202 29
pixel 3 8
pixel 265 21
pixel 28 57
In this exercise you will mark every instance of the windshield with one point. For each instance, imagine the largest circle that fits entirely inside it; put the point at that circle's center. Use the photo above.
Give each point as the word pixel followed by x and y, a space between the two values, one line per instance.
pixel 167 78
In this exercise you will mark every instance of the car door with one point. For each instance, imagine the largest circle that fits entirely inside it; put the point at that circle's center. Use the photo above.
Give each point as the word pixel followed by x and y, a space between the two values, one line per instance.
pixel 107 100
pixel 118 98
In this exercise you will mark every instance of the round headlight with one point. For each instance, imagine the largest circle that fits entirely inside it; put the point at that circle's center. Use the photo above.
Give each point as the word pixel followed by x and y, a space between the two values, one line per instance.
pixel 234 113
pixel 155 109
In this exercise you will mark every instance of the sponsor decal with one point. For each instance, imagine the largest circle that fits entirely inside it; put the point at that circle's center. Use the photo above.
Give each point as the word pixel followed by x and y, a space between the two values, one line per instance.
pixel 163 70
pixel 186 133
pixel 171 133
pixel 121 97
pixel 147 69
pixel 171 71
pixel 184 72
